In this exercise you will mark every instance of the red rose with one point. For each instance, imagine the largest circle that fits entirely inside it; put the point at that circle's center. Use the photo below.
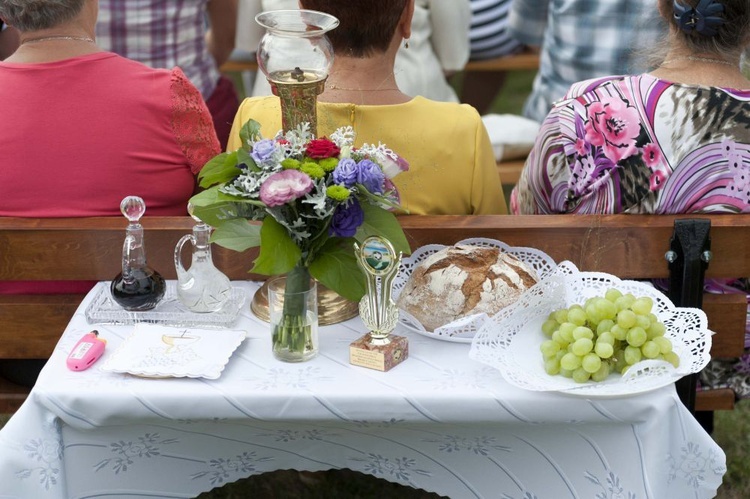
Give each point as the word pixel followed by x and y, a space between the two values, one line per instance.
pixel 321 149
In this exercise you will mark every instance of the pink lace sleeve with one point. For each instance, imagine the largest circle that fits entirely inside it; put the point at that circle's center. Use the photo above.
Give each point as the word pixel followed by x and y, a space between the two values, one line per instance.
pixel 191 122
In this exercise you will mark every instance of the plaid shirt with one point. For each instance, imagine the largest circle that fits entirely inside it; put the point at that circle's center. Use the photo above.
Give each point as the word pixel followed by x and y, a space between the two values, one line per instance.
pixel 160 34
pixel 582 39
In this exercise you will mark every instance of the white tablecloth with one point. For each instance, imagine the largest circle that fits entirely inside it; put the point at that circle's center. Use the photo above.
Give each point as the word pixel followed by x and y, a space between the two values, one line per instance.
pixel 440 421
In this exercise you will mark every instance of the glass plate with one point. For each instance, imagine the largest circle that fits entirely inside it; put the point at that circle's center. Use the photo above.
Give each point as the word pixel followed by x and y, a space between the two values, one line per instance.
pixel 462 330
pixel 510 340
pixel 170 311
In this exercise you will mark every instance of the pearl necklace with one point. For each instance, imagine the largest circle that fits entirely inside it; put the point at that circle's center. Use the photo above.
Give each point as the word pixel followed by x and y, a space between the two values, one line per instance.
pixel 701 59
pixel 60 37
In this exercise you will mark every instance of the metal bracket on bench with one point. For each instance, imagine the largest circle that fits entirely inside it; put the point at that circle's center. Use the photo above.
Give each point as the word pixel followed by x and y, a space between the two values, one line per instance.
pixel 688 257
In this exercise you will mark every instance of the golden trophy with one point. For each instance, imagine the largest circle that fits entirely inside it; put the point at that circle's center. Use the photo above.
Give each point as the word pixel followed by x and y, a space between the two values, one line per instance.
pixel 378 349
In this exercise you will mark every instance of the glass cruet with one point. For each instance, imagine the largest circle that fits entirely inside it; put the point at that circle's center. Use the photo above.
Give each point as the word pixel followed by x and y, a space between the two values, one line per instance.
pixel 202 287
pixel 138 287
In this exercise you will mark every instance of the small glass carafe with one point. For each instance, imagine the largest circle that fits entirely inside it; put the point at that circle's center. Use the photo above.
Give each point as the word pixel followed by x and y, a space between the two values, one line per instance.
pixel 138 287
pixel 202 287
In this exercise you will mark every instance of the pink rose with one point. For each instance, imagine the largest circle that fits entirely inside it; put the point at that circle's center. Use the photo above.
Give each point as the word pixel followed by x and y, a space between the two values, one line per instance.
pixel 321 149
pixel 614 126
pixel 285 186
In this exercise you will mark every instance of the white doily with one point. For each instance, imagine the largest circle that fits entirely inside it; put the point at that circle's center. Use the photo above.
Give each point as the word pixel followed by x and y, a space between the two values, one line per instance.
pixel 462 330
pixel 510 340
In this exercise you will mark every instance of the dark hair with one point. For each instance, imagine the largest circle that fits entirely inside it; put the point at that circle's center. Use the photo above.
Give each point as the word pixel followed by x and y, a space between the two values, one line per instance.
pixel 366 26
pixel 727 37
pixel 33 15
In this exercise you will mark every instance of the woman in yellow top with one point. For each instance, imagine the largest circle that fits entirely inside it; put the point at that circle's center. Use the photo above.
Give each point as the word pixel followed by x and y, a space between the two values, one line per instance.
pixel 452 166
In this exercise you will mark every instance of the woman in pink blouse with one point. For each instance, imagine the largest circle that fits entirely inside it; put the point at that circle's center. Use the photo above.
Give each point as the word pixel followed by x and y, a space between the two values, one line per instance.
pixel 82 128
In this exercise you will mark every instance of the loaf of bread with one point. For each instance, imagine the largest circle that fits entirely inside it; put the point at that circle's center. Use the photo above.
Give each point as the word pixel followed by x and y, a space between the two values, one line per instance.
pixel 462 280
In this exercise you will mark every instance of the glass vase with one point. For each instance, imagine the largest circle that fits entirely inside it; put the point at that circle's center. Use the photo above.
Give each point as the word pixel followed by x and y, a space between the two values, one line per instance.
pixel 293 308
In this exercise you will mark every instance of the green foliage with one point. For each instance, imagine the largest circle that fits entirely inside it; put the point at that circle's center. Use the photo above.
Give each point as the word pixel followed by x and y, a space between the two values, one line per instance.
pixel 221 168
pixel 380 222
pixel 278 253
pixel 249 131
pixel 237 234
pixel 216 208
pixel 337 268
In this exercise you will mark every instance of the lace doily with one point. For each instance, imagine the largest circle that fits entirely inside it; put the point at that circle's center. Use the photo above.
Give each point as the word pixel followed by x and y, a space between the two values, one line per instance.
pixel 462 330
pixel 509 341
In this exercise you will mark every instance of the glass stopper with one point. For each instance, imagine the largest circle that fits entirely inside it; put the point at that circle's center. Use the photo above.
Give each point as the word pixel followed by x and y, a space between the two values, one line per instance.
pixel 133 208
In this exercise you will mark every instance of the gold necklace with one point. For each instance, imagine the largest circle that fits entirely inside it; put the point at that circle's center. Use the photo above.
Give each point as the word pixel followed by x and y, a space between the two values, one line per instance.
pixel 333 86
pixel 701 59
pixel 59 37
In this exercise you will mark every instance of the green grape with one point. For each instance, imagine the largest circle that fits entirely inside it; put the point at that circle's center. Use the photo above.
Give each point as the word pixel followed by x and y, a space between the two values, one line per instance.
pixel 656 329
pixel 642 305
pixel 549 347
pixel 602 373
pixel 604 350
pixel 582 346
pixel 606 337
pixel 549 326
pixel 672 358
pixel 561 315
pixel 552 367
pixel 626 319
pixel 637 336
pixel 577 316
pixel 591 363
pixel 570 361
pixel 632 355
pixel 592 313
pixel 566 372
pixel 642 321
pixel 557 338
pixel 607 309
pixel 665 346
pixel 619 332
pixel 650 350
pixel 612 294
pixel 618 360
pixel 624 302
pixel 583 332
pixel 604 326
pixel 566 331
pixel 581 375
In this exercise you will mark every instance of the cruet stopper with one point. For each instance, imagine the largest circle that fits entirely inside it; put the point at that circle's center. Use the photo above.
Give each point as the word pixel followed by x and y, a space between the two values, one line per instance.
pixel 137 287
pixel 202 287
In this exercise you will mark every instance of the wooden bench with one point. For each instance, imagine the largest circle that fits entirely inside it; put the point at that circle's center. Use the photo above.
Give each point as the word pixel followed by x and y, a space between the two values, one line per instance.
pixel 629 246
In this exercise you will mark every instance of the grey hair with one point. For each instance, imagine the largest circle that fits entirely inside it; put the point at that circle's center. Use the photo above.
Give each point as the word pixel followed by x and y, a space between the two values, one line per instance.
pixel 730 40
pixel 33 15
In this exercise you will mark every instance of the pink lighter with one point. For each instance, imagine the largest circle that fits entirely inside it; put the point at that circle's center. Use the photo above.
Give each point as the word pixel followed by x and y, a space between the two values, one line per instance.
pixel 86 352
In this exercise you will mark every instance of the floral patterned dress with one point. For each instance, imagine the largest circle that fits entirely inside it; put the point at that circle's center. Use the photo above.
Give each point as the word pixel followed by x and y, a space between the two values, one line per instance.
pixel 639 144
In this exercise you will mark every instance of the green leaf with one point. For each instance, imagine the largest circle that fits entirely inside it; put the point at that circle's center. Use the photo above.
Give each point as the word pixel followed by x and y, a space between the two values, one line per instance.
pixel 237 234
pixel 337 268
pixel 243 157
pixel 249 131
pixel 278 253
pixel 221 168
pixel 214 207
pixel 380 222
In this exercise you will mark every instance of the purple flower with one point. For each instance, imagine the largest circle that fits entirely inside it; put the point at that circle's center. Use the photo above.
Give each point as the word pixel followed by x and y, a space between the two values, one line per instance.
pixel 285 186
pixel 371 176
pixel 345 172
pixel 263 151
pixel 346 219
pixel 392 167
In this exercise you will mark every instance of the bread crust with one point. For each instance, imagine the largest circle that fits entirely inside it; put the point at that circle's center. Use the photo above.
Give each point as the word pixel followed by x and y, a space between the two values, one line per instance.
pixel 462 280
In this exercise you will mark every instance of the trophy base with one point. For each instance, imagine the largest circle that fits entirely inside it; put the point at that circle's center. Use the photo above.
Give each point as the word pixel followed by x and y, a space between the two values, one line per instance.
pixel 363 353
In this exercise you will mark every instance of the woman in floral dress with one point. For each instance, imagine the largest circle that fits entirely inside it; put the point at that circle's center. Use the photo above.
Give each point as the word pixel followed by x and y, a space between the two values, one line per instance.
pixel 675 140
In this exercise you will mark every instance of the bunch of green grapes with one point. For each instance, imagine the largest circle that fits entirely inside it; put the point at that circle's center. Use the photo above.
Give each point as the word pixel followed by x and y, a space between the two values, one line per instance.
pixel 605 334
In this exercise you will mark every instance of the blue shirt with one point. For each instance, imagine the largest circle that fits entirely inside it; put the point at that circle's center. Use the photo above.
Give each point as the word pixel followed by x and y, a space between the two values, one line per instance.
pixel 583 39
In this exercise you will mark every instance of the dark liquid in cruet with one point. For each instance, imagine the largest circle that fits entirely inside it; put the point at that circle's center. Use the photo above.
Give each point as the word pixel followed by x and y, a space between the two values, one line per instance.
pixel 142 292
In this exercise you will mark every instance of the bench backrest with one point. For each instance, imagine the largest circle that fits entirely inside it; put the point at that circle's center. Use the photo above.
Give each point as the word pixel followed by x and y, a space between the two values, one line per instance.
pixel 629 246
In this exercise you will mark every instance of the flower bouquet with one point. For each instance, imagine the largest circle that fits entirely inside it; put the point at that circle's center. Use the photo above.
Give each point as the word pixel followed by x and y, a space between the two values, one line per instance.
pixel 313 198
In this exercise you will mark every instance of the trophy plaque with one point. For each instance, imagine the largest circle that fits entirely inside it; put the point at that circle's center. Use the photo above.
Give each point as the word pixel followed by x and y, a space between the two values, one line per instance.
pixel 378 349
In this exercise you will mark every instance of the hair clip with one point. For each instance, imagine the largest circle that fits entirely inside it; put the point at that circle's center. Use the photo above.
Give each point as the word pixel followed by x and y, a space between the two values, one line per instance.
pixel 705 18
